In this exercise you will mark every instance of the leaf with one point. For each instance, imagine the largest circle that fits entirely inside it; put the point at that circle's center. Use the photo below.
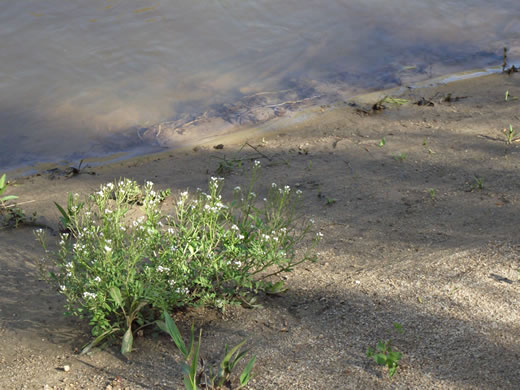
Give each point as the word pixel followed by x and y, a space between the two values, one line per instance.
pixel 246 372
pixel 398 327
pixel 2 181
pixel 97 340
pixel 391 371
pixel 395 356
pixel 380 359
pixel 229 355
pixel 66 218
pixel 115 293
pixel 128 340
pixel 8 197
pixel 174 333
pixel 381 346
pixel 194 361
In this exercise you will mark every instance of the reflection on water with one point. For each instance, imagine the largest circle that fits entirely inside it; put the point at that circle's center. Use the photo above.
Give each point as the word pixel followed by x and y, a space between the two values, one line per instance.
pixel 80 78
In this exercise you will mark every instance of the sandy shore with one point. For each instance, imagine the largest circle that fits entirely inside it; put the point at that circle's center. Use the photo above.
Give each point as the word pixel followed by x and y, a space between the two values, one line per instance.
pixel 422 231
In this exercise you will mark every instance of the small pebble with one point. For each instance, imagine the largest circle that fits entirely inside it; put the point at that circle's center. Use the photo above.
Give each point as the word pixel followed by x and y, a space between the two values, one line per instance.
pixel 66 368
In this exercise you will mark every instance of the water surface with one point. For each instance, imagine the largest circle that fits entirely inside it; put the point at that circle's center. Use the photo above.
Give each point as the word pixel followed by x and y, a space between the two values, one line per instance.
pixel 80 78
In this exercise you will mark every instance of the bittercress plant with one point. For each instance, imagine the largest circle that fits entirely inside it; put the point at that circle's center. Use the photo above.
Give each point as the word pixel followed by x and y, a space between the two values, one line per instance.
pixel 124 258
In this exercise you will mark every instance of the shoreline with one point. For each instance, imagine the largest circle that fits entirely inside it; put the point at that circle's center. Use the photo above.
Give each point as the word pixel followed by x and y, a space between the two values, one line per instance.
pixel 266 128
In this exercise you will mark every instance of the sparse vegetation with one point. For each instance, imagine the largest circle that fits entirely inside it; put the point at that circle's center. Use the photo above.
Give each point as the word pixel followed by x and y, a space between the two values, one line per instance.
pixel 215 377
pixel 385 355
pixel 121 259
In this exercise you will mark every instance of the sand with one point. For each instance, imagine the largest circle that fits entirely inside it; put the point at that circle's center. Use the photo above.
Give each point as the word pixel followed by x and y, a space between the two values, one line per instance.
pixel 422 231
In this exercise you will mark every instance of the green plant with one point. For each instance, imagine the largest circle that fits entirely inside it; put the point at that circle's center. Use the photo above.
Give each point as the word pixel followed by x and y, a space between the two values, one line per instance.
pixel 193 375
pixel 506 95
pixel 510 135
pixel 382 142
pixel 393 100
pixel 432 192
pixel 400 157
pixel 123 259
pixel 227 166
pixel 330 201
pixel 384 355
pixel 478 184
pixel 3 186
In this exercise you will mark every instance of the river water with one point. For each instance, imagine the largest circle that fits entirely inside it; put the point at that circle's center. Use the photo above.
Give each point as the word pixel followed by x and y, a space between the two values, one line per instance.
pixel 82 78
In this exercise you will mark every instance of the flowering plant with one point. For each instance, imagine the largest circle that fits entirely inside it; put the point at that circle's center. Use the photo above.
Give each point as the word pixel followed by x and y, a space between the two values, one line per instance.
pixel 125 259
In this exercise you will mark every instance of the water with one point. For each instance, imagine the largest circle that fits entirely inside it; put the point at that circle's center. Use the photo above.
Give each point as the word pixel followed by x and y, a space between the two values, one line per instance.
pixel 86 78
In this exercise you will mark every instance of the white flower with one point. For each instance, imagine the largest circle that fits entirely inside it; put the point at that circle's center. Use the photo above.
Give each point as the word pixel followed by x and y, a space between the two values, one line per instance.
pixel 257 163
pixel 184 194
pixel 88 295
pixel 265 237
pixel 62 242
pixel 38 231
pixel 162 269
pixel 108 249
pixel 253 194
pixel 240 237
pixel 299 192
pixel 319 234
pixel 237 188
pixel 238 263
pixel 274 185
pixel 171 282
pixel 170 231
pixel 265 199
pixel 97 279
pixel 235 227
pixel 63 288
pixel 69 265
pixel 149 184
pixel 182 290
pixel 311 221
pixel 108 211
pixel 283 230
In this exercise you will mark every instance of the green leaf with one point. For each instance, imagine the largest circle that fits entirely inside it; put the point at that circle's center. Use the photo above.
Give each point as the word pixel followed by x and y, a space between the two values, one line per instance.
pixel 115 293
pixel 8 197
pixel 229 355
pixel 66 218
pixel 194 361
pixel 391 371
pixel 398 327
pixel 2 183
pixel 188 385
pixel 395 356
pixel 128 340
pixel 97 340
pixel 380 359
pixel 174 333
pixel 381 346
pixel 246 372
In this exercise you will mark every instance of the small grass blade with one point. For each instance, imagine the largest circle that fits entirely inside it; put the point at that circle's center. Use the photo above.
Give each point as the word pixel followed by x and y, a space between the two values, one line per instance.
pixel 246 373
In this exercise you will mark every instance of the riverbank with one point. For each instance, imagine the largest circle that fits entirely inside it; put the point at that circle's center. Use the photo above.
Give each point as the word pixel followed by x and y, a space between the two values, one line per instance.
pixel 418 198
